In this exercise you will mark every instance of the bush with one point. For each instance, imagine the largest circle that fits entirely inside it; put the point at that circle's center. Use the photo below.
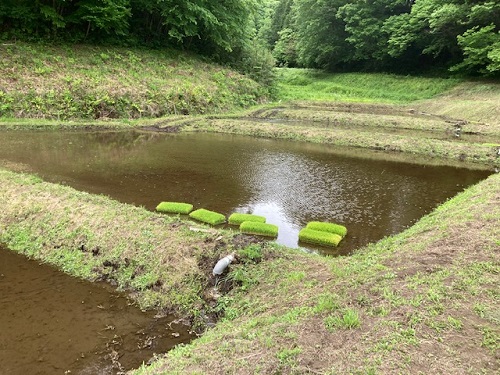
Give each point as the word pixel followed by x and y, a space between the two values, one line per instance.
pixel 328 227
pixel 209 217
pixel 237 218
pixel 174 208
pixel 261 229
pixel 251 253
pixel 319 238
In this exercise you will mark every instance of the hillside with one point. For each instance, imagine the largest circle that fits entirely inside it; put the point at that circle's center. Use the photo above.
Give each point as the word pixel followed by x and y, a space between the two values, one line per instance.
pixel 90 82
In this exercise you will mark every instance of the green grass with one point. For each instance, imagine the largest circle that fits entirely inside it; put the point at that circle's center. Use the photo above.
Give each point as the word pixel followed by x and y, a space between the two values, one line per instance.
pixel 327 227
pixel 209 217
pixel 261 229
pixel 309 84
pixel 237 218
pixel 348 320
pixel 94 82
pixel 175 208
pixel 319 238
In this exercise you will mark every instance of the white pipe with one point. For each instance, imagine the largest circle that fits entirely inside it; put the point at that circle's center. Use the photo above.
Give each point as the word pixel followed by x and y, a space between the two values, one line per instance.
pixel 222 264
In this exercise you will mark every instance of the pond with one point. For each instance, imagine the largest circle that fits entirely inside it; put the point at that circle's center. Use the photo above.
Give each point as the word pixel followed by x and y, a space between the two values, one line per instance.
pixel 290 183
pixel 54 324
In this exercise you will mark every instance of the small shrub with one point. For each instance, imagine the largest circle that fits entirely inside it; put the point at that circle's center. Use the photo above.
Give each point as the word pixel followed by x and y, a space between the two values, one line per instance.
pixel 209 217
pixel 328 227
pixel 319 238
pixel 174 208
pixel 262 229
pixel 237 218
pixel 252 253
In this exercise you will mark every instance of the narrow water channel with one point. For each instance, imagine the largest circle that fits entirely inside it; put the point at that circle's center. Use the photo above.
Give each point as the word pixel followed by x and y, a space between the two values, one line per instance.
pixel 52 323
pixel 290 183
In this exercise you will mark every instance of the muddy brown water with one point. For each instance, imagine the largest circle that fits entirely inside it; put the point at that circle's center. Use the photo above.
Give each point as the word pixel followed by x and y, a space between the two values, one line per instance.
pixel 289 182
pixel 52 323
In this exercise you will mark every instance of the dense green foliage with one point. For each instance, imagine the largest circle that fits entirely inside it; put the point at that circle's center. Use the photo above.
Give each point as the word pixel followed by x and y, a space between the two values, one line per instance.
pixel 403 36
pixel 207 216
pixel 206 24
pixel 175 208
pixel 261 229
pixel 221 29
pixel 237 218
pixel 398 35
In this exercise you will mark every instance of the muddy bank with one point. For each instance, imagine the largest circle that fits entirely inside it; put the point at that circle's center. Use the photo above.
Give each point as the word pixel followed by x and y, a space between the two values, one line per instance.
pixel 161 261
pixel 54 323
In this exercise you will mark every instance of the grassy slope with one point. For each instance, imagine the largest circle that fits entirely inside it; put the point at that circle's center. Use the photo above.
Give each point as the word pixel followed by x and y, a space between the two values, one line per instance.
pixel 95 237
pixel 89 82
pixel 424 301
pixel 308 84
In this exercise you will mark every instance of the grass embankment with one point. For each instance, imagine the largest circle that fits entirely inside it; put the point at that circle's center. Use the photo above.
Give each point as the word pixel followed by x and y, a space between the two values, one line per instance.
pixel 314 85
pixel 155 256
pixel 424 300
pixel 89 82
pixel 360 120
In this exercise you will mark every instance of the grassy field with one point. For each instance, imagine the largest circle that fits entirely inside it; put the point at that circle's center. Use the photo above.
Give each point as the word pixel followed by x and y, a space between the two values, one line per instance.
pixel 308 84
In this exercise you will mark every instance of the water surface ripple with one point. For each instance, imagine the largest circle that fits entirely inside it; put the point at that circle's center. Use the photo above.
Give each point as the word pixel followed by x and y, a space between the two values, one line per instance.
pixel 290 183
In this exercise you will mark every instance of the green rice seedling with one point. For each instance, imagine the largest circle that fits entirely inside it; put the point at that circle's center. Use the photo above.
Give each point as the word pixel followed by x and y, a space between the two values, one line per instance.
pixel 237 218
pixel 261 229
pixel 209 217
pixel 175 208
pixel 327 227
pixel 319 238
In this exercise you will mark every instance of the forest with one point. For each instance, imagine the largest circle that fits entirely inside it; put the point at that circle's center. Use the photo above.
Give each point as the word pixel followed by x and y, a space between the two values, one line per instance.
pixel 403 36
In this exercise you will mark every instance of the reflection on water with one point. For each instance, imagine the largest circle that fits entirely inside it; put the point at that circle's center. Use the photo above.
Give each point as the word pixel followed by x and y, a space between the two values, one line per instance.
pixel 52 323
pixel 290 183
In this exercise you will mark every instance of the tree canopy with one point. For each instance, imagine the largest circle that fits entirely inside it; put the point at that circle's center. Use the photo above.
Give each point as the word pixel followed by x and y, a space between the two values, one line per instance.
pixel 462 35
pixel 218 25
pixel 399 35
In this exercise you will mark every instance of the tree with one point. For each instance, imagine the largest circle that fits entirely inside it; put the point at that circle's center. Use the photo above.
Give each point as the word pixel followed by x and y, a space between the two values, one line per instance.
pixel 321 36
pixel 481 48
pixel 108 16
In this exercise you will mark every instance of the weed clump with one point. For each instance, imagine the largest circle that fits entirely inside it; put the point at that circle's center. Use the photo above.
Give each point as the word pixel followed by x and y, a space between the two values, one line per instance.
pixel 319 238
pixel 209 217
pixel 237 218
pixel 328 227
pixel 174 208
pixel 261 229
